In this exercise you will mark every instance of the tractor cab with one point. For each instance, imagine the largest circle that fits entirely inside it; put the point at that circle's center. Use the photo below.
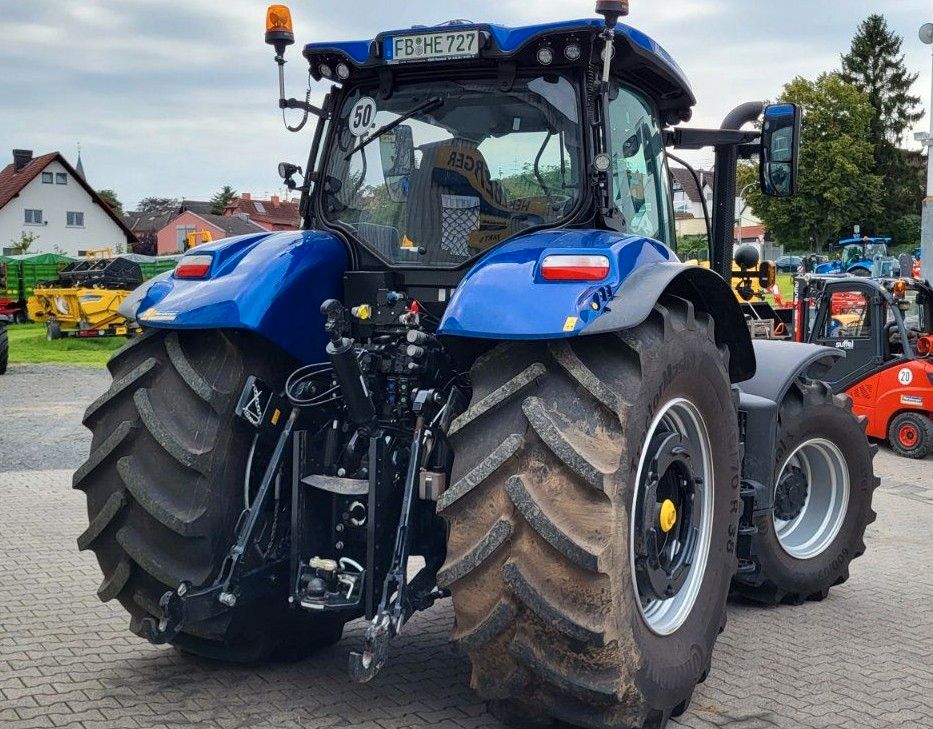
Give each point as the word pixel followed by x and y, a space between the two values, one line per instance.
pixel 876 322
pixel 438 144
pixel 442 142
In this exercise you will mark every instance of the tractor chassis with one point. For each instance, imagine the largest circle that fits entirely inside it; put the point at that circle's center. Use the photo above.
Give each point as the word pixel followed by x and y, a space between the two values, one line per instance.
pixel 383 593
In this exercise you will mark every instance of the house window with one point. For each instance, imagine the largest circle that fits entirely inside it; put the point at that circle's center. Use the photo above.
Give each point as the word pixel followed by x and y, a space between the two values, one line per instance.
pixel 33 217
pixel 75 219
pixel 181 236
pixel 61 178
pixel 47 178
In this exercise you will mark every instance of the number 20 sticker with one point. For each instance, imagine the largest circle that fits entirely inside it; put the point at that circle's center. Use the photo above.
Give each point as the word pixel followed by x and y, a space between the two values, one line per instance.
pixel 362 116
pixel 905 376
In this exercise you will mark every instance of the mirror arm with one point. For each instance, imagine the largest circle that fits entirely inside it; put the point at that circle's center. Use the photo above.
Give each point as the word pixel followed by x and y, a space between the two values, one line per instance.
pixel 303 106
pixel 687 138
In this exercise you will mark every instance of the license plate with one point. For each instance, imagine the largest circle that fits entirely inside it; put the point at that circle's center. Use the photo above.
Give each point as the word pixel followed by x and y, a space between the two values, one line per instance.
pixel 432 46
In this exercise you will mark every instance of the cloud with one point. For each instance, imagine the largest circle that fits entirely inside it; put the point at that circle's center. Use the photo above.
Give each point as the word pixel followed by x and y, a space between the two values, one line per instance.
pixel 179 98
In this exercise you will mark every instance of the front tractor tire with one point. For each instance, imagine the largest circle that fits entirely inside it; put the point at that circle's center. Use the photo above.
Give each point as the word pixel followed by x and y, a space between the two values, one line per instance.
pixel 590 476
pixel 824 483
pixel 165 486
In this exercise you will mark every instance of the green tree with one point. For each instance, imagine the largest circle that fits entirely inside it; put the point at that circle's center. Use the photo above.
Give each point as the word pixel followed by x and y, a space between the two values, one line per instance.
pixel 222 199
pixel 110 197
pixel 157 205
pixel 837 187
pixel 875 65
pixel 24 242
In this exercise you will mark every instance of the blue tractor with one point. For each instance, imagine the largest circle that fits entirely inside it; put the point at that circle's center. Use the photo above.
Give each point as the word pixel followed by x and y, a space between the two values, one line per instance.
pixel 480 350
pixel 863 257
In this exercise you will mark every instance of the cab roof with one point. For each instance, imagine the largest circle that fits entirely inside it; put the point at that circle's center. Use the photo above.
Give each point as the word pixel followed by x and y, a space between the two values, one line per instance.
pixel 639 59
pixel 854 241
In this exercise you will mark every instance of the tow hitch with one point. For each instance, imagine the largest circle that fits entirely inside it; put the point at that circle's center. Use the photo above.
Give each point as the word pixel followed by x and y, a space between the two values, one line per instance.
pixel 400 599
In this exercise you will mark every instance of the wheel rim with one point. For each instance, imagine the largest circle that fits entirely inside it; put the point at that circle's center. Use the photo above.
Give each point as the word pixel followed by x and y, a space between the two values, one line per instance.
pixel 810 531
pixel 908 435
pixel 675 472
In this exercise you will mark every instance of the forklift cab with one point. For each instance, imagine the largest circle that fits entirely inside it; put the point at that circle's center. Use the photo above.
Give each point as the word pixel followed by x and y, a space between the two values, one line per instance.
pixel 850 317
pixel 872 321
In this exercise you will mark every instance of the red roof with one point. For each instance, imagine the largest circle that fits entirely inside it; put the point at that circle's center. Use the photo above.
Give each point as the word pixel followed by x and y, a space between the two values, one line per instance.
pixel 12 184
pixel 749 231
pixel 272 213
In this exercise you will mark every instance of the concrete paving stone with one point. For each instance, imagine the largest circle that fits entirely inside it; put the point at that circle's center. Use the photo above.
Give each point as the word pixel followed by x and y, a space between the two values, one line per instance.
pixel 859 659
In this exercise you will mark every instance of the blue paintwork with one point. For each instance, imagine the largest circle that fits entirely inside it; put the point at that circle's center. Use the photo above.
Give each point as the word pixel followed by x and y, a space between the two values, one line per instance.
pixel 272 284
pixel 504 297
pixel 510 40
pixel 859 241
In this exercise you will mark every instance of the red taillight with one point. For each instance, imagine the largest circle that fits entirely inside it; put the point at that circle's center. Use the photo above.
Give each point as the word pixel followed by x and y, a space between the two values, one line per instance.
pixel 197 266
pixel 575 267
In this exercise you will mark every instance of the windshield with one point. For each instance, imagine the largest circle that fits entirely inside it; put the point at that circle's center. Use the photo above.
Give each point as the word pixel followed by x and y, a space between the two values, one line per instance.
pixel 917 312
pixel 472 166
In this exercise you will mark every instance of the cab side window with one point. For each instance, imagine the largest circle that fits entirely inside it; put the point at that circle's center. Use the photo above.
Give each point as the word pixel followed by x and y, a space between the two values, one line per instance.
pixel 849 316
pixel 639 168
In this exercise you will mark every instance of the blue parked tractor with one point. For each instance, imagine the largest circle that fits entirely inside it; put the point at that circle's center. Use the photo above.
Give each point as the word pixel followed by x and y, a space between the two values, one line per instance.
pixel 863 257
pixel 480 350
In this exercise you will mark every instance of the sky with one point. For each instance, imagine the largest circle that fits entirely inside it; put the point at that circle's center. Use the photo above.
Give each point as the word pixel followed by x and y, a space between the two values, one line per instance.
pixel 176 99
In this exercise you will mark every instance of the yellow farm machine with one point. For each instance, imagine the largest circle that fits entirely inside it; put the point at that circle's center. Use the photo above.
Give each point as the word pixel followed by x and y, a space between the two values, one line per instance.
pixel 84 300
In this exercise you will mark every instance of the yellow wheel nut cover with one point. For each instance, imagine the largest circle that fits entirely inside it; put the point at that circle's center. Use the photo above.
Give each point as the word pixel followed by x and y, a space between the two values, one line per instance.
pixel 668 516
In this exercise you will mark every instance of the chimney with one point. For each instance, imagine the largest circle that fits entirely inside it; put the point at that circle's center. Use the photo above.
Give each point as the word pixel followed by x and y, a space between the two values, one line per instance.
pixel 245 196
pixel 276 202
pixel 21 158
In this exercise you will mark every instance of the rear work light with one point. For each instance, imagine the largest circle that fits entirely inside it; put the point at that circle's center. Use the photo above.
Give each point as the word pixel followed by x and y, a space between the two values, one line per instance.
pixel 575 267
pixel 197 266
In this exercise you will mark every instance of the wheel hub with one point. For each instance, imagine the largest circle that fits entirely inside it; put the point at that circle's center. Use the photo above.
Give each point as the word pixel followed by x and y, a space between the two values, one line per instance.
pixel 908 436
pixel 665 536
pixel 791 494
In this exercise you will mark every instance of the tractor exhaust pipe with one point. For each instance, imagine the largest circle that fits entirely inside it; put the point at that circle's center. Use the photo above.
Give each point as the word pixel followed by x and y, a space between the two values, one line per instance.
pixel 727 157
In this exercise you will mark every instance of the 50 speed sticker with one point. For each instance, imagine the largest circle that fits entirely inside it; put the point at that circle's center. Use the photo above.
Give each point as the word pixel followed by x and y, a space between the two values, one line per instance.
pixel 362 116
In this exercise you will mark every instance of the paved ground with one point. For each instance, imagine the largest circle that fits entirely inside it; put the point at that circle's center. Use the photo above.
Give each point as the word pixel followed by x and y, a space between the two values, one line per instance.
pixel 42 405
pixel 860 659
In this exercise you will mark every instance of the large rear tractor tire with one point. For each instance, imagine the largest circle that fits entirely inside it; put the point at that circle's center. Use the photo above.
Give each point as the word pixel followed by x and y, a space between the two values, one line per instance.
pixel 4 349
pixel 822 503
pixel 165 486
pixel 590 476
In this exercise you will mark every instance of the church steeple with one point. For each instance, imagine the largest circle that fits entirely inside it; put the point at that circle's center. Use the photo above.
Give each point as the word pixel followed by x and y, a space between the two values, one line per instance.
pixel 79 166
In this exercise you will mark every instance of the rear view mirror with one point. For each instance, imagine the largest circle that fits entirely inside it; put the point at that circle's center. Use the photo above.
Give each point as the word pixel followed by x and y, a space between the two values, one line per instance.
pixel 780 145
pixel 397 151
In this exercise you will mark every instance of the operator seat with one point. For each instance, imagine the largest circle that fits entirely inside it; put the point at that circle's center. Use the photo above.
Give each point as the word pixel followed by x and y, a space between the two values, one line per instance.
pixel 453 197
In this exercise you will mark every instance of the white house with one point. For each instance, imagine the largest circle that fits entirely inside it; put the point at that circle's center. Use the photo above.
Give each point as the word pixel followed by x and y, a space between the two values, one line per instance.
pixel 45 196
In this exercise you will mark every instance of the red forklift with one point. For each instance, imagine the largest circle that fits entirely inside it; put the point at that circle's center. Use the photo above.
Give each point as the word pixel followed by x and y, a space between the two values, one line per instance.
pixel 885 328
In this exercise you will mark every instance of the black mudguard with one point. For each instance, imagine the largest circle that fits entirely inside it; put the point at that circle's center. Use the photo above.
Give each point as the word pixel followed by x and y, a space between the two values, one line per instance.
pixel 780 364
pixel 709 293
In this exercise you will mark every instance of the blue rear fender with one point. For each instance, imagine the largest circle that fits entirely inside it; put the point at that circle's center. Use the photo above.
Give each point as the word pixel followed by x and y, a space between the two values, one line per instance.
pixel 504 296
pixel 272 284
